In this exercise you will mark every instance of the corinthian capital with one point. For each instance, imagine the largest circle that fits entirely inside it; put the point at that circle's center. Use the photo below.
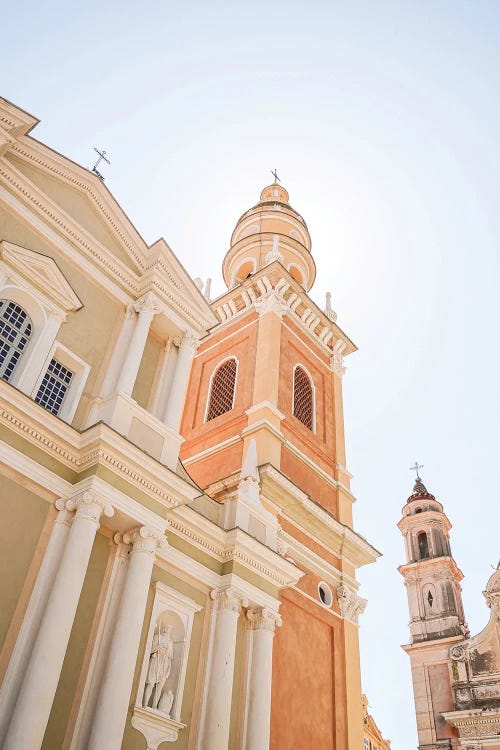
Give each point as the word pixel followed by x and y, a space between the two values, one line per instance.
pixel 90 506
pixel 228 599
pixel 189 342
pixel 148 303
pixel 264 618
pixel 350 604
pixel 145 539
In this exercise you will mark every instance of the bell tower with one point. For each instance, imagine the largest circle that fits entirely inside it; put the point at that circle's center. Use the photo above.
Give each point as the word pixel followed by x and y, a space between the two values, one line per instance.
pixel 431 575
pixel 437 622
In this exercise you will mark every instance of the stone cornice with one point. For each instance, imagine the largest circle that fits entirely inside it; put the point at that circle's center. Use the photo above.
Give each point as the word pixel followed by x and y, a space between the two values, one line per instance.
pixel 342 541
pixel 99 445
pixel 233 545
pixel 292 297
pixel 430 566
pixel 475 723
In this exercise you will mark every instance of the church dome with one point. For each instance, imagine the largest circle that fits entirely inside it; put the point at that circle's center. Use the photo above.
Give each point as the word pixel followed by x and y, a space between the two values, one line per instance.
pixel 271 230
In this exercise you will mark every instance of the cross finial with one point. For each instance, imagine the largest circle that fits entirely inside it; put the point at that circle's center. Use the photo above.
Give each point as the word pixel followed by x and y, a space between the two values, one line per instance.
pixel 275 175
pixel 416 466
pixel 102 157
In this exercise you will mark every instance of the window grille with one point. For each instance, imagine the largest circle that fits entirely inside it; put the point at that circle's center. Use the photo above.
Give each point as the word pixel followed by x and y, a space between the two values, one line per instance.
pixel 15 332
pixel 222 390
pixel 54 386
pixel 303 400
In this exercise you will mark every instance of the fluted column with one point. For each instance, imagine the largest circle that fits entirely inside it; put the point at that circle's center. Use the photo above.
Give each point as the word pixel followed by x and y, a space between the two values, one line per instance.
pixel 175 403
pixel 41 678
pixel 33 615
pixel 219 695
pixel 146 308
pixel 263 622
pixel 114 696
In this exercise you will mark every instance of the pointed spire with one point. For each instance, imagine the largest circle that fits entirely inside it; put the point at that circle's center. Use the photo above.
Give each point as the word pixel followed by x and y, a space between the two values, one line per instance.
pixel 250 468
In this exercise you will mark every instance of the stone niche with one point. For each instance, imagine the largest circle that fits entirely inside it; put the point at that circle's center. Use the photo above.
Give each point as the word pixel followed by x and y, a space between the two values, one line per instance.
pixel 158 706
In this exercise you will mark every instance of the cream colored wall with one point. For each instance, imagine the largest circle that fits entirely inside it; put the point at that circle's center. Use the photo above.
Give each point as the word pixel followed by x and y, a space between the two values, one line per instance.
pixel 23 518
pixel 76 204
pixel 91 332
pixel 132 739
pixel 147 371
pixel 73 661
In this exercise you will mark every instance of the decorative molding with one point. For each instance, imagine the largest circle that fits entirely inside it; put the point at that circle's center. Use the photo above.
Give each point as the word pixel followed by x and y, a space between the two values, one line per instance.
pixel 146 540
pixel 350 604
pixel 264 619
pixel 90 506
pixel 228 599
pixel 271 302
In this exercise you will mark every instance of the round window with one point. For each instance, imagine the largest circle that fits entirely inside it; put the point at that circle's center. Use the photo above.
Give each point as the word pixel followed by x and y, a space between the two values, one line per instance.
pixel 325 594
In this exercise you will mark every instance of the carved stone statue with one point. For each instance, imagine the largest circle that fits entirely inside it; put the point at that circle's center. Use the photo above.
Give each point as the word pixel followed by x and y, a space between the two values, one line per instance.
pixel 160 666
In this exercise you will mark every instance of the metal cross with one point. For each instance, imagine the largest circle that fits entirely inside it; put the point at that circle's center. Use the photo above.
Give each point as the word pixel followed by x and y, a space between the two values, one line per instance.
pixel 102 157
pixel 275 175
pixel 416 466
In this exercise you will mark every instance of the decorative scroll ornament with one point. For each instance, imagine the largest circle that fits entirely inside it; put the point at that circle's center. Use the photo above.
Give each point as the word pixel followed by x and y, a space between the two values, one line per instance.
pixel 264 619
pixel 275 253
pixel 187 342
pixel 145 539
pixel 458 653
pixel 350 604
pixel 228 599
pixel 271 302
pixel 337 358
pixel 90 506
pixel 149 303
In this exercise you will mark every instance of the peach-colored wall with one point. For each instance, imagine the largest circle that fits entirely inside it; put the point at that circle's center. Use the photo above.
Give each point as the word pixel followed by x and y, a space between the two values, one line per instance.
pixel 308 707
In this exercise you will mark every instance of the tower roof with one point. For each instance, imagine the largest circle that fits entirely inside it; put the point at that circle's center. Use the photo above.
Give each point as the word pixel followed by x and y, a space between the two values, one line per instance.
pixel 269 231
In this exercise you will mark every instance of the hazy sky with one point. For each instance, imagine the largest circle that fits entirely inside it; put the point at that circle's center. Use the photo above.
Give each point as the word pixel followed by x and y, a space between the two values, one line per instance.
pixel 382 119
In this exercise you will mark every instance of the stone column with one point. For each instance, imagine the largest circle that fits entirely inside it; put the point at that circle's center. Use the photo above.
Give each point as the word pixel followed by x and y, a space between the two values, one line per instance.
pixel 175 404
pixel 263 622
pixel 146 308
pixel 114 696
pixel 41 678
pixel 33 616
pixel 119 352
pixel 220 687
pixel 164 379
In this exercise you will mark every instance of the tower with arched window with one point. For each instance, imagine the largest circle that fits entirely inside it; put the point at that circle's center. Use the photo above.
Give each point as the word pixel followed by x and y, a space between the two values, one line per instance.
pixel 264 437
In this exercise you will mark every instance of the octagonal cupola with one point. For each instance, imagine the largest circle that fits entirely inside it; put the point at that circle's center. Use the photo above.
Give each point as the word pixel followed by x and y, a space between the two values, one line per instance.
pixel 270 231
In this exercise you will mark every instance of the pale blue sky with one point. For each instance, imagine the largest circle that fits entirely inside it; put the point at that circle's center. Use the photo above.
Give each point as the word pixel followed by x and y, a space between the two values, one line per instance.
pixel 382 119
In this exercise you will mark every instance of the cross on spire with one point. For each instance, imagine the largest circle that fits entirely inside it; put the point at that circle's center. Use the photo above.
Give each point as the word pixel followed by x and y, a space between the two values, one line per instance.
pixel 275 175
pixel 416 466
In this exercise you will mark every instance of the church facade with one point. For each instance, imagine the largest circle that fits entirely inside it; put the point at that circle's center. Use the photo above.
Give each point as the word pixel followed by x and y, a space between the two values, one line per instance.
pixel 456 676
pixel 179 562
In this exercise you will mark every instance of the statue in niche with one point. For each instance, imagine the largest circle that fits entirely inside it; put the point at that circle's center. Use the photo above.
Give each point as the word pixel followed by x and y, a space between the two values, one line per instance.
pixel 160 666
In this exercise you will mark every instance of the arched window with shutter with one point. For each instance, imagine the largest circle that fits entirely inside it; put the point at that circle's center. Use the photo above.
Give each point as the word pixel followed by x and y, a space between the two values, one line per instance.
pixel 222 389
pixel 15 332
pixel 303 397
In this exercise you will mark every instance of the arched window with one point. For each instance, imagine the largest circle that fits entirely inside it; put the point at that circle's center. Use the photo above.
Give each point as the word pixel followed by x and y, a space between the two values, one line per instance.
pixel 15 332
pixel 423 545
pixel 303 397
pixel 222 390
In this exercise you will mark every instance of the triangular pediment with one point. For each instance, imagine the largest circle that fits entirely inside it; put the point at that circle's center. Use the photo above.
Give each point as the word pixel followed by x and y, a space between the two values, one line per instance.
pixel 41 271
pixel 168 277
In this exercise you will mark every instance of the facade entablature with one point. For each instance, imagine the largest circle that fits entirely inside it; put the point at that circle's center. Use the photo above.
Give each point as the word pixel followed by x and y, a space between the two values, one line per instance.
pixel 296 505
pixel 275 281
pixel 97 450
pixel 435 567
pixel 427 518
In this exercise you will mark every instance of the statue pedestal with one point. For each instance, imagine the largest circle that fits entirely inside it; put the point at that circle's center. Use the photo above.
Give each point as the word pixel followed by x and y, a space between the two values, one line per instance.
pixel 155 726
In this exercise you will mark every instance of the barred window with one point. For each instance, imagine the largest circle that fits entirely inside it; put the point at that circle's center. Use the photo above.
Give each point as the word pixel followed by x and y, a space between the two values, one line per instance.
pixel 303 397
pixel 15 332
pixel 221 398
pixel 54 386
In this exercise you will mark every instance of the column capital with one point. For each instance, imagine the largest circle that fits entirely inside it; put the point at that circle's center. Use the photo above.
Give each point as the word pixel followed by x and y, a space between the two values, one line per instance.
pixel 263 618
pixel 145 539
pixel 89 505
pixel 148 303
pixel 350 604
pixel 188 342
pixel 228 599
